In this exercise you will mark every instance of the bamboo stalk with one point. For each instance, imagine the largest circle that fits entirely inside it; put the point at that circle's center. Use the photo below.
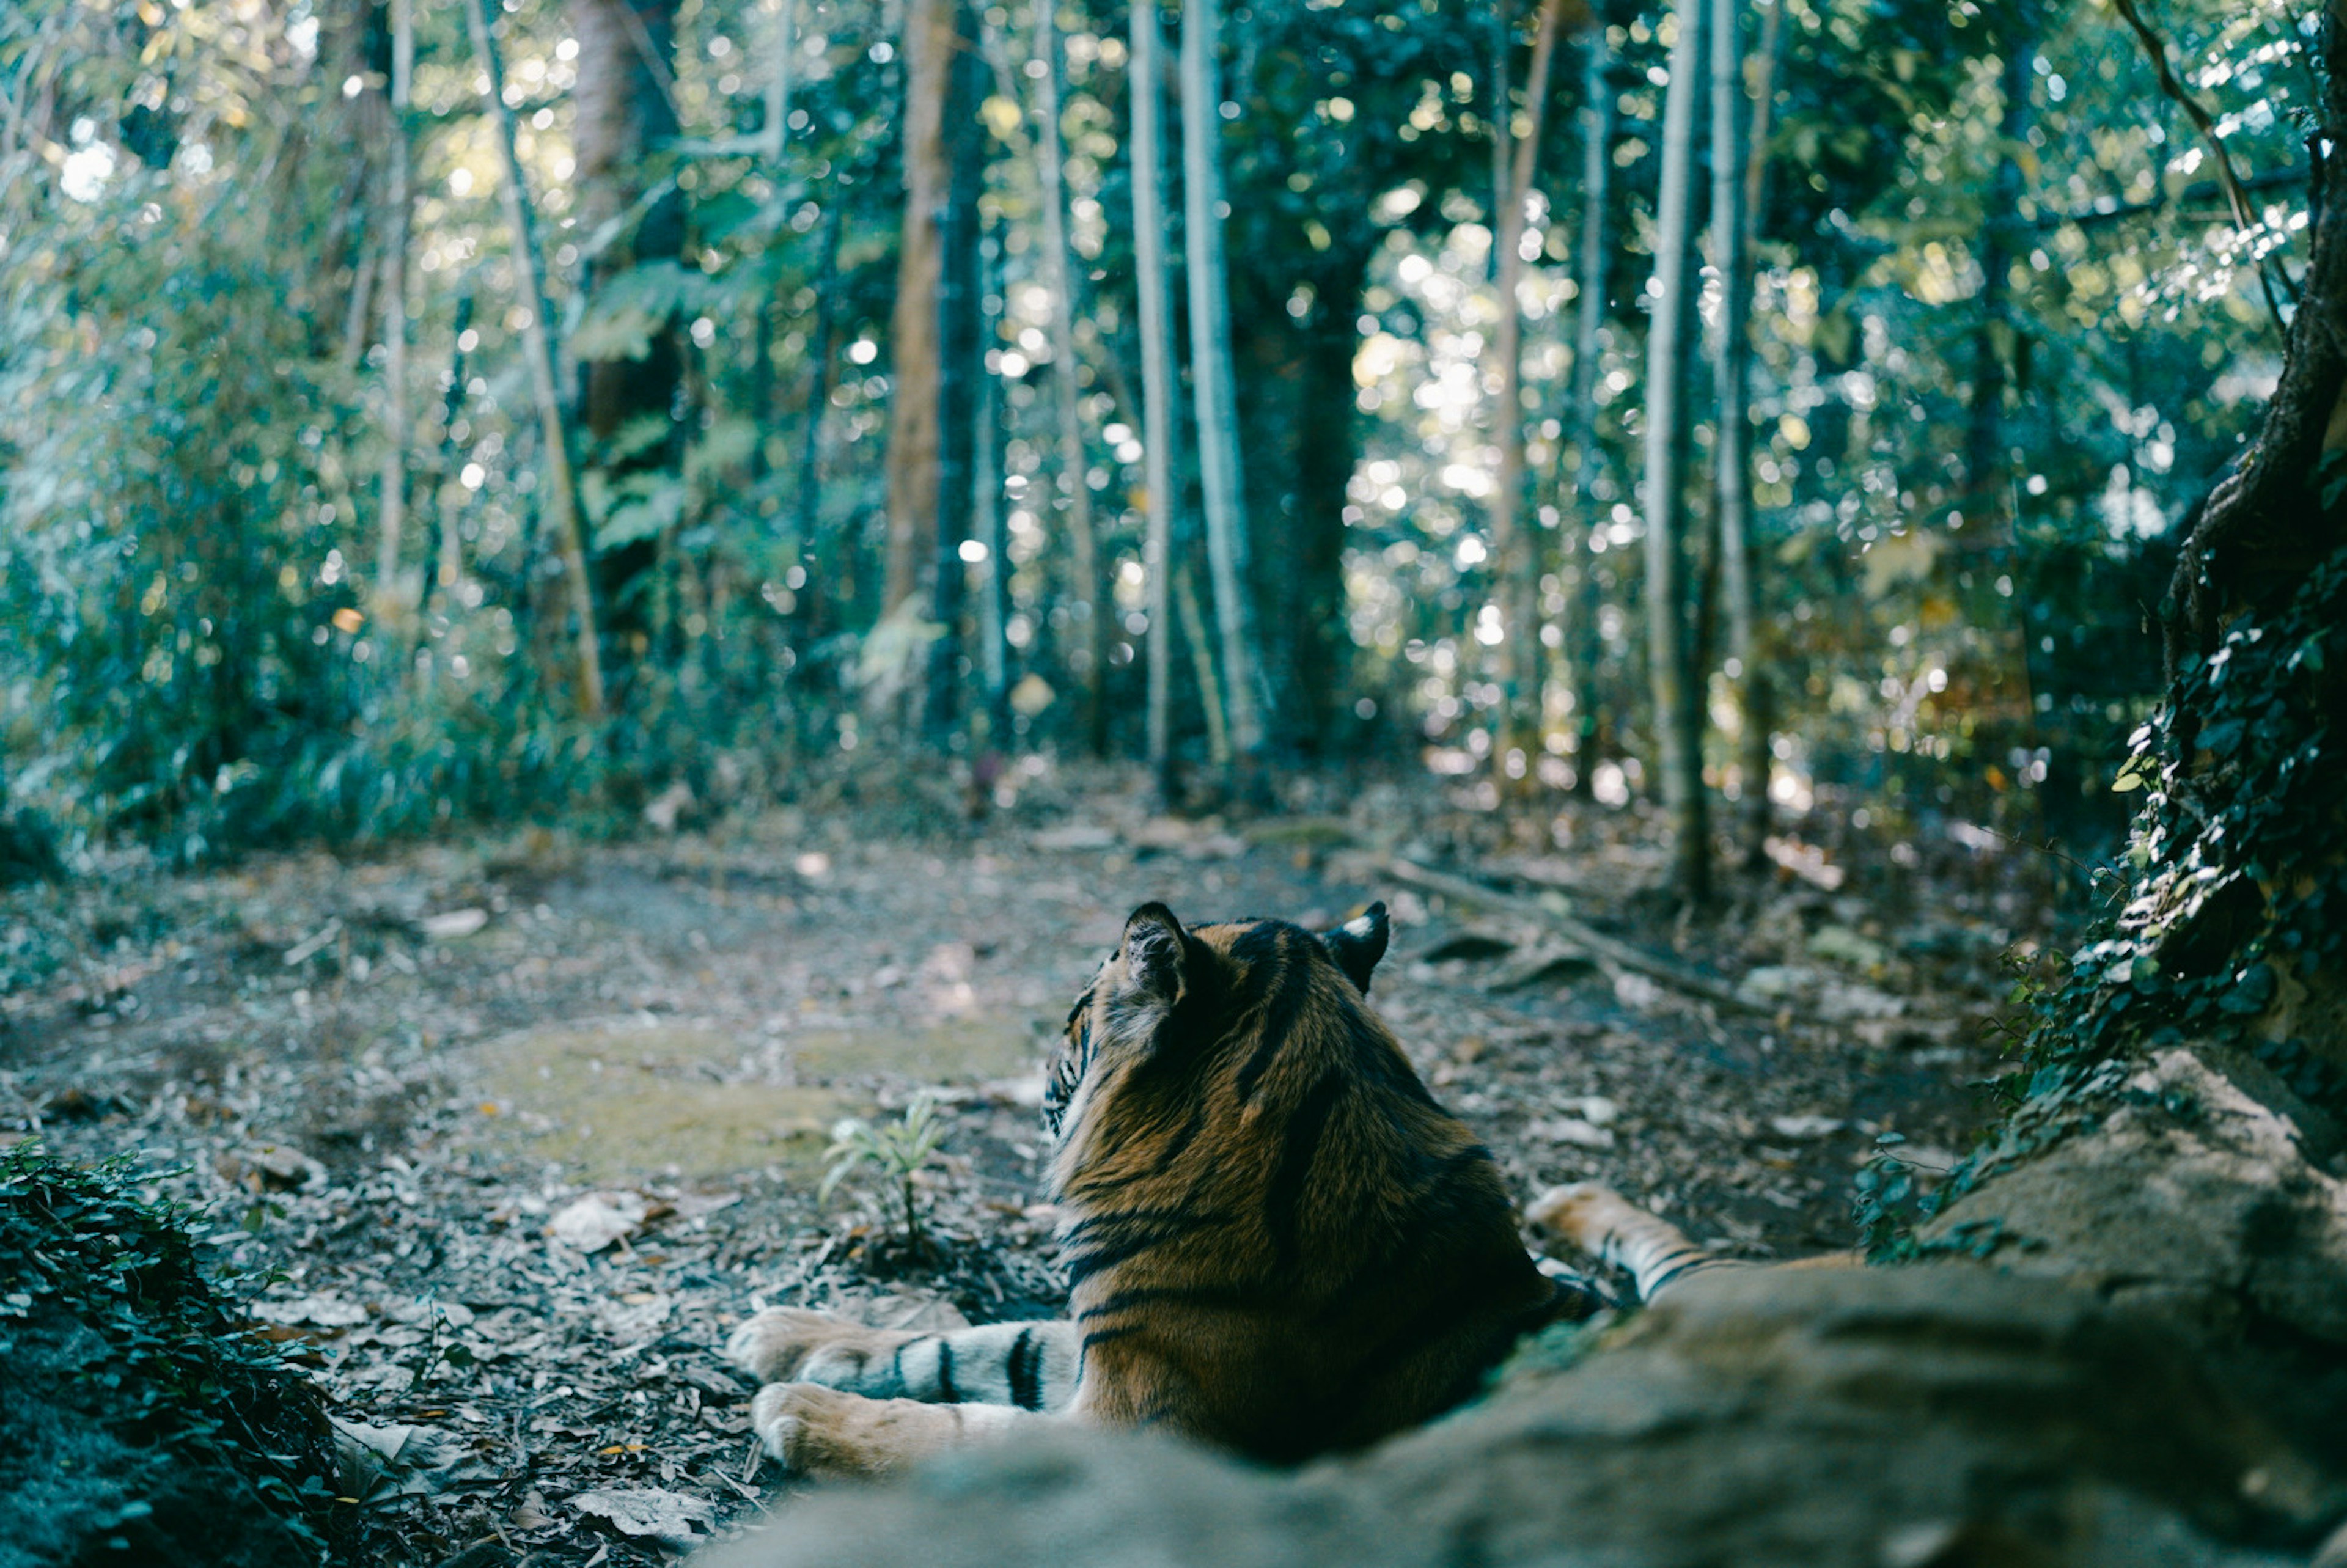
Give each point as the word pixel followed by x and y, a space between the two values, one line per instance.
pixel 1213 380
pixel 1143 88
pixel 1060 278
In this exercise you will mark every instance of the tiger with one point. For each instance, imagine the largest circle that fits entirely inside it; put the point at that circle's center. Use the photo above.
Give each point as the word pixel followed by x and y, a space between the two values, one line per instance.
pixel 1277 1243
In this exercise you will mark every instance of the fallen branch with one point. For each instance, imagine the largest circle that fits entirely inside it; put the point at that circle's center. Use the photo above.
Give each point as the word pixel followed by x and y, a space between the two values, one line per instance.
pixel 1607 953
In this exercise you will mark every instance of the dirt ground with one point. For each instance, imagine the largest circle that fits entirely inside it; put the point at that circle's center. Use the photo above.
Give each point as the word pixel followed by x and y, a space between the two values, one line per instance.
pixel 513 1128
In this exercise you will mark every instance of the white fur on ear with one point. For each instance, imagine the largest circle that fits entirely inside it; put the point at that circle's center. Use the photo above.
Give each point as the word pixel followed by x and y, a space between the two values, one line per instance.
pixel 1358 944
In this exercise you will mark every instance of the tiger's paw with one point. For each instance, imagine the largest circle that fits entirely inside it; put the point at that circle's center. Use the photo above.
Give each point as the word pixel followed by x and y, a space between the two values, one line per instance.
pixel 785 1343
pixel 1581 1214
pixel 812 1430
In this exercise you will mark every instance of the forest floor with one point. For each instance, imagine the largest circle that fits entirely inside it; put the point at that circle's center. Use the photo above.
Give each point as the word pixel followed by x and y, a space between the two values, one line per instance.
pixel 512 1129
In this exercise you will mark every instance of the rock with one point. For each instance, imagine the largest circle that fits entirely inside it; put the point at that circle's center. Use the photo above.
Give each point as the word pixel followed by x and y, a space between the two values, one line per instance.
pixel 1929 1417
pixel 2193 1202
pixel 596 1221
pixel 452 924
pixel 272 1168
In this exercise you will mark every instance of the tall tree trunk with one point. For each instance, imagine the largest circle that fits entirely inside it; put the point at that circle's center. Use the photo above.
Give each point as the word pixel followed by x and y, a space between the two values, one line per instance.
pixel 393 505
pixel 1145 90
pixel 623 116
pixel 1214 384
pixel 1589 326
pixel 820 586
pixel 1677 693
pixel 960 365
pixel 1091 592
pixel 778 84
pixel 1734 177
pixel 1515 559
pixel 777 137
pixel 993 523
pixel 561 502
pixel 1987 543
pixel 930 36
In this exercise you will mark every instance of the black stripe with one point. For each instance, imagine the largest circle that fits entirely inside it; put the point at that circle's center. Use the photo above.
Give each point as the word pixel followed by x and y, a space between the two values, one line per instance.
pixel 1687 1265
pixel 1118 1249
pixel 947 1393
pixel 1209 1296
pixel 897 1365
pixel 1100 1336
pixel 1183 1136
pixel 1295 985
pixel 1285 1198
pixel 1025 1357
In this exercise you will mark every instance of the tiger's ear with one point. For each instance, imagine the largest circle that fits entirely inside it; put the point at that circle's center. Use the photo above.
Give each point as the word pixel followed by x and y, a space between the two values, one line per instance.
pixel 1358 944
pixel 1156 954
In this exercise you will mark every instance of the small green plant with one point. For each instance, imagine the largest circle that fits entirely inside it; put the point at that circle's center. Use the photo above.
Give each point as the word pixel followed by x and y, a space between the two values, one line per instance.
pixel 898 1150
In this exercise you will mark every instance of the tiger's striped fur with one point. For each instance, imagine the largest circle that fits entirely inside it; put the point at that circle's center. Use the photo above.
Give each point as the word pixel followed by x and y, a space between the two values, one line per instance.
pixel 1275 1240
pixel 1654 1253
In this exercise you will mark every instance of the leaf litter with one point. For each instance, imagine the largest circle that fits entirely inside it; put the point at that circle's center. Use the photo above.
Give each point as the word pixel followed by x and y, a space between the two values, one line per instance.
pixel 512 1286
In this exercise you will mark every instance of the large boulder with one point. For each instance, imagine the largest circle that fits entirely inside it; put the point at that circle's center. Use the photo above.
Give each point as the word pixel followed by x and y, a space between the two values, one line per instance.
pixel 1928 1416
pixel 2204 1197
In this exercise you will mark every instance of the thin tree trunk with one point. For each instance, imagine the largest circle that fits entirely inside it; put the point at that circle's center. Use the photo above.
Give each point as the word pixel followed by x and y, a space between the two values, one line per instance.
pixel 1987 540
pixel 1092 647
pixel 1596 189
pixel 537 352
pixel 1144 88
pixel 960 364
pixel 393 505
pixel 624 114
pixel 1515 561
pixel 778 86
pixel 912 457
pixel 1733 170
pixel 1678 708
pixel 777 136
pixel 818 408
pixel 1202 653
pixel 1213 382
pixel 994 613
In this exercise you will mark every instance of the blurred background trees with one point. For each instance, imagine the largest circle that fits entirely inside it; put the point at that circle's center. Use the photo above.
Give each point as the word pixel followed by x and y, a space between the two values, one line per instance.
pixel 351 482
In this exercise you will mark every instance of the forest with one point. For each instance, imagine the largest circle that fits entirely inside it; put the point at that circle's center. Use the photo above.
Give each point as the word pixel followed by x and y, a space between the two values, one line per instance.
pixel 605 605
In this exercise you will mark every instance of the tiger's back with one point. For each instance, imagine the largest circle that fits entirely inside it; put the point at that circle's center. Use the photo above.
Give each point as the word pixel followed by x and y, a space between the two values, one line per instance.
pixel 1275 1239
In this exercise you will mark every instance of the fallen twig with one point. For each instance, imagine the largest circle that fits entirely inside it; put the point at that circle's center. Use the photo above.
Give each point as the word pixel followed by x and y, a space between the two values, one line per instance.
pixel 1609 954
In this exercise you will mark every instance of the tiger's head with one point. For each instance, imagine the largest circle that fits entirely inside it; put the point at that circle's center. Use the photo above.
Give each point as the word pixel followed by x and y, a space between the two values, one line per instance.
pixel 1162 978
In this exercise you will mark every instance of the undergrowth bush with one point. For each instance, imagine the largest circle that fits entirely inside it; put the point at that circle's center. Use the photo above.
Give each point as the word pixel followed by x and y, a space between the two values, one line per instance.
pixel 145 1423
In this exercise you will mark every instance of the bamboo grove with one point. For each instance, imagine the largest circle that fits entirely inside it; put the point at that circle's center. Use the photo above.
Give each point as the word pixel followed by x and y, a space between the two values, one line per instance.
pixel 1780 411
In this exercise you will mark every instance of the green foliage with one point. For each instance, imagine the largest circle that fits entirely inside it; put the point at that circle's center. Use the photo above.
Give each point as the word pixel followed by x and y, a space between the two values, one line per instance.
pixel 146 1423
pixel 896 1151
pixel 2238 880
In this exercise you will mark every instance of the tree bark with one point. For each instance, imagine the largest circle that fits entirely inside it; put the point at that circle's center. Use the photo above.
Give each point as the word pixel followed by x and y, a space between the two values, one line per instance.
pixel 624 116
pixel 778 85
pixel 1677 696
pixel 393 504
pixel 820 585
pixel 960 365
pixel 1214 384
pixel 1589 326
pixel 1515 559
pixel 1144 90
pixel 1734 177
pixel 561 500
pixel 930 34
pixel 993 524
pixel 1091 597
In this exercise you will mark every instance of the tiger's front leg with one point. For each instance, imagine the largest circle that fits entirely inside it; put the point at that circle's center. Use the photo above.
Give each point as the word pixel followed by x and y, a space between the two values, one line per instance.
pixel 1030 1366
pixel 819 1431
